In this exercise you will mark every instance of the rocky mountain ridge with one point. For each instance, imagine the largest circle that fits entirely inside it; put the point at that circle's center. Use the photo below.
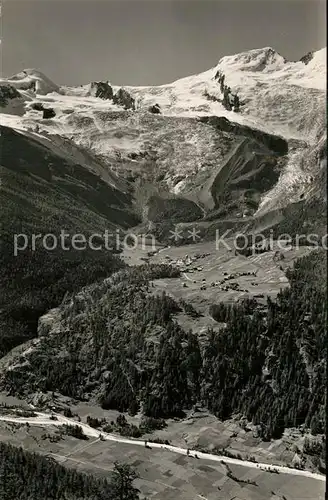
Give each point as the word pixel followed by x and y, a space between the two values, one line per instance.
pixel 197 127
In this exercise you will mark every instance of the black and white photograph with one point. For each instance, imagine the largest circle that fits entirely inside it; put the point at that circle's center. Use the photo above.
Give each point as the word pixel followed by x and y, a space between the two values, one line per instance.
pixel 163 250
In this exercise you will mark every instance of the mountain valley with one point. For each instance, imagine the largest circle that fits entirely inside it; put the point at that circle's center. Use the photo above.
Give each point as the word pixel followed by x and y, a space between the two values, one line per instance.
pixel 220 349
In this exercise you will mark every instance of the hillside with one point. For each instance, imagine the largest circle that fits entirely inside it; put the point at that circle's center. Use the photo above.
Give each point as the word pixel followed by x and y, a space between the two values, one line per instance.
pixel 69 187
pixel 119 345
pixel 46 190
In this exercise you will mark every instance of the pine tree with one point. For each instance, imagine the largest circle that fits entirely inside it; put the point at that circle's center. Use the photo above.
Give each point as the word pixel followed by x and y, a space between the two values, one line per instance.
pixel 122 484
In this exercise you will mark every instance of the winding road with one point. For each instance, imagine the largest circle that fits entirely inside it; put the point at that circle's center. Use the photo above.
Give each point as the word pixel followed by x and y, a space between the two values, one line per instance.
pixel 45 419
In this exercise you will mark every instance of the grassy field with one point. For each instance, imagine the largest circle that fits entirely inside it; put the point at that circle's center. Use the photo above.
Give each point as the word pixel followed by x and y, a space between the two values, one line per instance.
pixel 165 475
pixel 201 281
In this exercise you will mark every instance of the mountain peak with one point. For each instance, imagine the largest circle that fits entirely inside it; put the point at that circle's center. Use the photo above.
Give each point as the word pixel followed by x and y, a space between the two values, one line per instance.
pixel 33 79
pixel 263 59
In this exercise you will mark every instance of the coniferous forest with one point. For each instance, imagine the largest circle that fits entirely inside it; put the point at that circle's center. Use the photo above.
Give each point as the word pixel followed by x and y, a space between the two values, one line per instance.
pixel 30 476
pixel 121 344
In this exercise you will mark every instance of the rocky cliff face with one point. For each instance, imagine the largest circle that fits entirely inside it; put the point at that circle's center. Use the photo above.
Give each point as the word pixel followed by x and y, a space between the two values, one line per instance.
pixel 307 58
pixel 8 92
pixel 102 90
pixel 123 98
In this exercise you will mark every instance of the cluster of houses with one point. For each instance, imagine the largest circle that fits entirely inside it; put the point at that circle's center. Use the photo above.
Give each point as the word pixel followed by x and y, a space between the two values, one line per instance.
pixel 185 262
pixel 225 286
pixel 185 265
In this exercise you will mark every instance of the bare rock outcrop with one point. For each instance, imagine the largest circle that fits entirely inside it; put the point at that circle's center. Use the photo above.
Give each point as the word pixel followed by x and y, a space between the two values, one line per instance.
pixel 103 90
pixel 123 98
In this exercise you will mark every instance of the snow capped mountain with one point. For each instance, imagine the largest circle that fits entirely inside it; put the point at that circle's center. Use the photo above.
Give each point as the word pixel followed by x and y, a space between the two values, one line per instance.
pixel 257 89
pixel 272 66
pixel 277 96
